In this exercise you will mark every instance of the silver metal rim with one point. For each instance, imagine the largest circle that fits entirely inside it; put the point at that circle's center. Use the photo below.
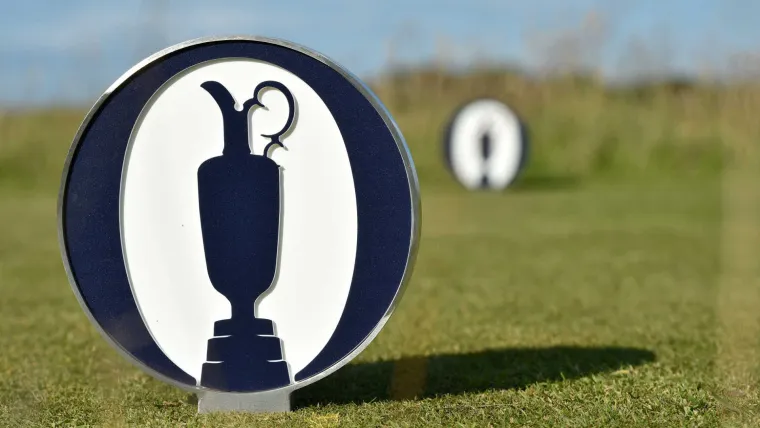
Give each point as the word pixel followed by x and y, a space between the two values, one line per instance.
pixel 414 191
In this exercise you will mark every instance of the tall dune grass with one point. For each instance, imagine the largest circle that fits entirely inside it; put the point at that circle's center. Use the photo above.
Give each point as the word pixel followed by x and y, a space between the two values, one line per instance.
pixel 580 126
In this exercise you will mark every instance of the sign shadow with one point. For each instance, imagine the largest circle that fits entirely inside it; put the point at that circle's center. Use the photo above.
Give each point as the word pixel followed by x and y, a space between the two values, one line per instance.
pixel 422 377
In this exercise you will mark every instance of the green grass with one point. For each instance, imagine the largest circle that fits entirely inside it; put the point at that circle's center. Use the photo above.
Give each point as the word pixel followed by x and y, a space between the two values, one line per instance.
pixel 581 298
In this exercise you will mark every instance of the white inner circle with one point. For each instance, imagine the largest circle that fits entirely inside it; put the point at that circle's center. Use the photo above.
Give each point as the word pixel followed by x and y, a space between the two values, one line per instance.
pixel 161 232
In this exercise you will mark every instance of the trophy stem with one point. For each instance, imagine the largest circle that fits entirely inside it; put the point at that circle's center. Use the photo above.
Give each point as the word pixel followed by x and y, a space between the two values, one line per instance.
pixel 242 311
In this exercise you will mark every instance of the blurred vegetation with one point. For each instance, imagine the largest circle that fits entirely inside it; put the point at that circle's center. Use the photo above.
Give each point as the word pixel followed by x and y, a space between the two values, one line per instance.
pixel 581 127
pixel 578 126
pixel 33 147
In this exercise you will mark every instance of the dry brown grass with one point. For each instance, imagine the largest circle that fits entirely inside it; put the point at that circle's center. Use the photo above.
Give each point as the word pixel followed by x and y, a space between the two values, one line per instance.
pixel 580 126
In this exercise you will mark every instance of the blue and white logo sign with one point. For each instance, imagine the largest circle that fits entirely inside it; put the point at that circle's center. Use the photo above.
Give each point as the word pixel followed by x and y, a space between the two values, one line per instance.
pixel 239 215
pixel 485 145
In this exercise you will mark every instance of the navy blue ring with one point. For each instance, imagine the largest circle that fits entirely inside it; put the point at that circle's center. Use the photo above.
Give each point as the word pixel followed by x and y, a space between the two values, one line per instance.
pixel 89 202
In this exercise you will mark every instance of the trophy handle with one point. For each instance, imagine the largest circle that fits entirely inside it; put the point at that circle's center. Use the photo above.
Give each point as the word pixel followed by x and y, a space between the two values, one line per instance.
pixel 275 138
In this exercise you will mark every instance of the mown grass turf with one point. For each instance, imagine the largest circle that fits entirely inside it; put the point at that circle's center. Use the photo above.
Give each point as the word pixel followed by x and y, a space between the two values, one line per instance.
pixel 571 300
pixel 587 306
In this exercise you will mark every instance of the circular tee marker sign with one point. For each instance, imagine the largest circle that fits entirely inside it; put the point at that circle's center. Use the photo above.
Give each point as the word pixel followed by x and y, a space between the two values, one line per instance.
pixel 239 217
pixel 485 145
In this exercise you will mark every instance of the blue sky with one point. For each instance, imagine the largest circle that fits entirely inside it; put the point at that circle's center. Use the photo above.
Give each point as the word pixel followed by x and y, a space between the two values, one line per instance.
pixel 56 51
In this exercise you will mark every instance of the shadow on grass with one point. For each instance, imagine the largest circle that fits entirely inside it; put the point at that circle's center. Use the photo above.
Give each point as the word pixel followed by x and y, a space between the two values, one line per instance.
pixel 420 377
pixel 533 183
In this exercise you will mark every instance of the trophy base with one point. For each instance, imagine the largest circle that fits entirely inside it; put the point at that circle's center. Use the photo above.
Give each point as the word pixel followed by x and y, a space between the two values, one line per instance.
pixel 244 359
pixel 242 377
